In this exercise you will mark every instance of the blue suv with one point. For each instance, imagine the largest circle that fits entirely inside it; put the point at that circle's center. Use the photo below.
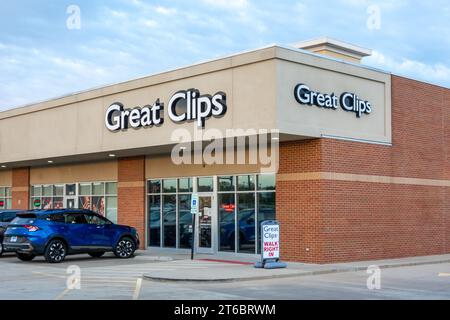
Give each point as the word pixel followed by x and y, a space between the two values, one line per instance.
pixel 57 233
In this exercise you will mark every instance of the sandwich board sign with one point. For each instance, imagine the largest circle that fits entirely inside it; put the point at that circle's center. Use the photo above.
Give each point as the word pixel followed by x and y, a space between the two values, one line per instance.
pixel 270 236
pixel 270 246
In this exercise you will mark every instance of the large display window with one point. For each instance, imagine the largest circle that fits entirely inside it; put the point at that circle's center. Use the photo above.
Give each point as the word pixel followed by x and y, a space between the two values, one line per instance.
pixel 100 197
pixel 169 218
pixel 5 198
pixel 243 202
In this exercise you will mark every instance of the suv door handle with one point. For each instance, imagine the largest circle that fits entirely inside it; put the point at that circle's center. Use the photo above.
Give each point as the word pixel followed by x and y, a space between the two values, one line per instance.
pixel 100 227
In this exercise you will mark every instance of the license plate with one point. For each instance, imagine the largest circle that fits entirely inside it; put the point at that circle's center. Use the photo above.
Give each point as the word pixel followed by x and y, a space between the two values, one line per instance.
pixel 13 239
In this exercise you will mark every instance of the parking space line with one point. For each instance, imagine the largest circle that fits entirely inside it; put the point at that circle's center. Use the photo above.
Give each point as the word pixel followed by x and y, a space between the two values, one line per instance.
pixel 442 274
pixel 137 290
pixel 48 274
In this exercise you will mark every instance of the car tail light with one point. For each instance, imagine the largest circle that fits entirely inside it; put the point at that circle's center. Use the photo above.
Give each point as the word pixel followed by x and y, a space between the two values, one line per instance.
pixel 32 228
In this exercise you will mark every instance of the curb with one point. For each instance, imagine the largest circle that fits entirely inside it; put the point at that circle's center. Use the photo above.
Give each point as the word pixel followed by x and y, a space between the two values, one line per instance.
pixel 149 277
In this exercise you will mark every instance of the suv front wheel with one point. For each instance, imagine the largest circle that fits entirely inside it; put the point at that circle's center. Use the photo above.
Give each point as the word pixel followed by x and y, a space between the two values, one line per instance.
pixel 56 251
pixel 125 248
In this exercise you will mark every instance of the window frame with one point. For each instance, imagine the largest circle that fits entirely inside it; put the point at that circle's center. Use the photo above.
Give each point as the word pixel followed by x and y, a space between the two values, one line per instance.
pixel 255 191
pixel 6 197
pixel 76 196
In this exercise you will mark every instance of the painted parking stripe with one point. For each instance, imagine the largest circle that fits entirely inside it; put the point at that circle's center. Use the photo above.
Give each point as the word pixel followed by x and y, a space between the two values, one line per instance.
pixel 137 290
pixel 444 274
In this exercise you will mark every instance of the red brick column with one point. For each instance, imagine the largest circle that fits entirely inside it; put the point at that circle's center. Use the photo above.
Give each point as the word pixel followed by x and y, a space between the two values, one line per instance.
pixel 299 202
pixel 131 194
pixel 21 188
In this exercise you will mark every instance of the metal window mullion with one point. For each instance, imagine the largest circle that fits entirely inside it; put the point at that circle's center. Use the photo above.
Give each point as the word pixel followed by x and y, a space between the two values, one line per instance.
pixel 177 209
pixel 161 226
pixel 236 224
pixel 256 214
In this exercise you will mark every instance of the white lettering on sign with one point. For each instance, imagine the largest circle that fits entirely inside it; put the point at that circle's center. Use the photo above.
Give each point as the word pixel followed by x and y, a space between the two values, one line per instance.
pixel 271 241
pixel 348 101
pixel 184 106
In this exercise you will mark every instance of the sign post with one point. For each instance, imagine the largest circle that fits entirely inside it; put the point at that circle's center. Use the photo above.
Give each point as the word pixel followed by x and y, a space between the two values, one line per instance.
pixel 194 211
pixel 270 246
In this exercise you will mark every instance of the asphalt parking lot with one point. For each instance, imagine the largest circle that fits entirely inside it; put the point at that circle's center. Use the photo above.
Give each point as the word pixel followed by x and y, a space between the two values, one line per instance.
pixel 111 278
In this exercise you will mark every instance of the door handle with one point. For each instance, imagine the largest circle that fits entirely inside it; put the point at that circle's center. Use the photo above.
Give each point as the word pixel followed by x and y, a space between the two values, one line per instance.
pixel 100 227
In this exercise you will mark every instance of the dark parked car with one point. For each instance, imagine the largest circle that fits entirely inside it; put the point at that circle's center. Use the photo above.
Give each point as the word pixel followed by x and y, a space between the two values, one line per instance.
pixel 57 233
pixel 6 216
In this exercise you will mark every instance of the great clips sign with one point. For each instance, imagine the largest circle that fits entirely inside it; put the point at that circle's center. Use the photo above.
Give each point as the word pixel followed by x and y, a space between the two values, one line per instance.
pixel 347 101
pixel 184 106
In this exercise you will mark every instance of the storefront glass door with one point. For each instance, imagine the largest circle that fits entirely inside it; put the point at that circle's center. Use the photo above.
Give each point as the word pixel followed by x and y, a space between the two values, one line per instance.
pixel 70 203
pixel 205 229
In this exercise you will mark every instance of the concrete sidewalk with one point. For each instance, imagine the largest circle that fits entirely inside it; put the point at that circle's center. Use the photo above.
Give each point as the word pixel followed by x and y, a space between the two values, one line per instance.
pixel 225 269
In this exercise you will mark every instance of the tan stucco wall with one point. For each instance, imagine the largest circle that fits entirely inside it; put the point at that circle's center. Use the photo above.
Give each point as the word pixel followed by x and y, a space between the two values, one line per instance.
pixel 84 172
pixel 327 76
pixel 259 87
pixel 163 167
pixel 338 55
pixel 6 178
pixel 79 128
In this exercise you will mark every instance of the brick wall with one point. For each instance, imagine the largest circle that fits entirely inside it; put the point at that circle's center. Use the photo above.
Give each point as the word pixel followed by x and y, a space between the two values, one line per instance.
pixel 20 188
pixel 326 220
pixel 131 194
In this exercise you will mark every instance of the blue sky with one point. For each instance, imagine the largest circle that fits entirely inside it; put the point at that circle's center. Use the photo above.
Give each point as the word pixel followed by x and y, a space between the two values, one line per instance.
pixel 41 58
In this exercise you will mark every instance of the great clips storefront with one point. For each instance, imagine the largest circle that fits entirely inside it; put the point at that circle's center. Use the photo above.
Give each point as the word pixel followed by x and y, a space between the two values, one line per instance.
pixel 353 162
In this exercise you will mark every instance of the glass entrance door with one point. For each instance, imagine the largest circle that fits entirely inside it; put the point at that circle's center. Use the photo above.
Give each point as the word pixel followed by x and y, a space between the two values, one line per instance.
pixel 205 224
pixel 71 203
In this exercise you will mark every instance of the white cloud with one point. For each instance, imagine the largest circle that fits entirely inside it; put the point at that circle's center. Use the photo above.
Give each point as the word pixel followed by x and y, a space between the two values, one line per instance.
pixel 438 72
pixel 165 11
pixel 231 4
pixel 118 14
pixel 384 4
pixel 136 37
pixel 149 23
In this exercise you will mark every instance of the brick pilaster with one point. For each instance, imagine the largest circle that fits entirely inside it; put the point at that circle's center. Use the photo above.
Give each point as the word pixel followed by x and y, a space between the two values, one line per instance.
pixel 21 188
pixel 131 194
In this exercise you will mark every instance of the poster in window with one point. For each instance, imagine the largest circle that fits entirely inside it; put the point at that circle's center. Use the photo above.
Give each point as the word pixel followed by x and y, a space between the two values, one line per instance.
pixel 47 203
pixel 84 202
pixel 98 205
pixel 58 203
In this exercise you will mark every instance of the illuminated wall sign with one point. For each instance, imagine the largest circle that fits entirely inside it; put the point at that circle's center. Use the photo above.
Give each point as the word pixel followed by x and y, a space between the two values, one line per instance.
pixel 347 101
pixel 184 106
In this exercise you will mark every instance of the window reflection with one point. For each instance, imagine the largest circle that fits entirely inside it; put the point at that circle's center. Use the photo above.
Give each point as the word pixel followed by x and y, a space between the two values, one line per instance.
pixel 227 222
pixel 154 209
pixel 170 220
pixel 246 222
pixel 205 184
pixel 243 202
pixel 246 183
pixel 185 220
